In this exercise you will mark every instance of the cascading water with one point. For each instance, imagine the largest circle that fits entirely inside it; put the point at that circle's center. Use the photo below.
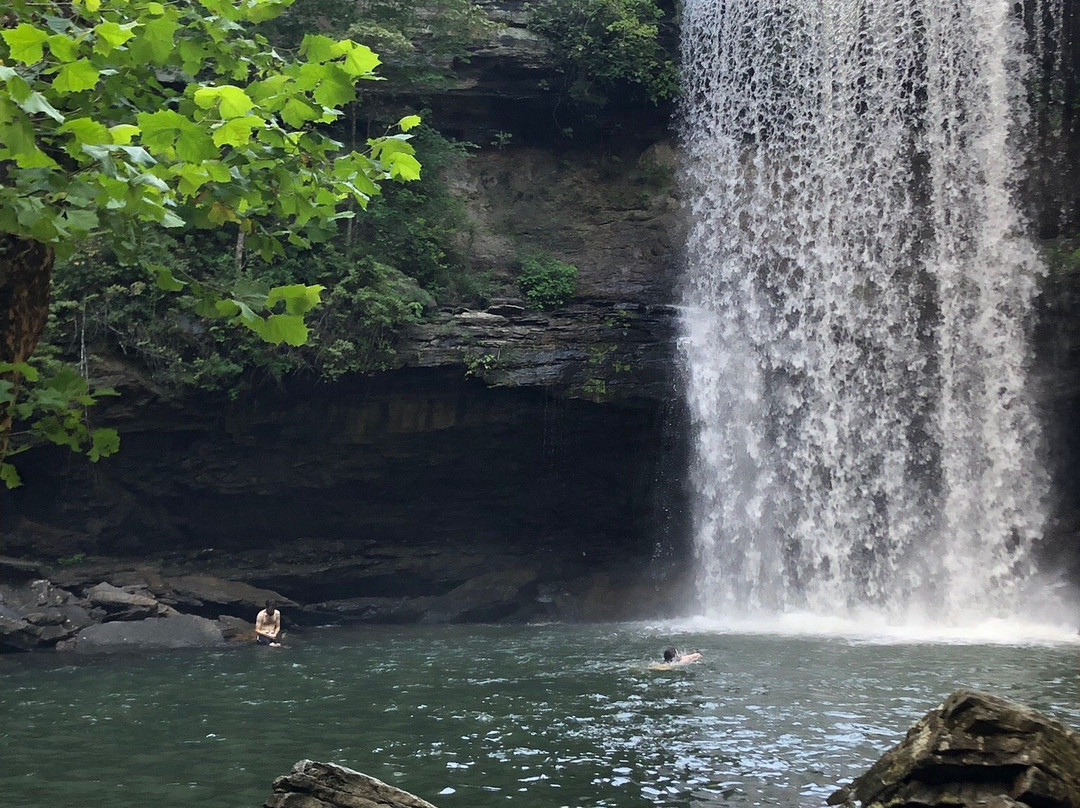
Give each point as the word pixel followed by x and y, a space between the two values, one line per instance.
pixel 857 307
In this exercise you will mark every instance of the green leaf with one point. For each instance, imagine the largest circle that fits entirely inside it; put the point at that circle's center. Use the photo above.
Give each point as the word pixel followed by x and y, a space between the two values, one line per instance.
pixel 232 102
pixel 404 166
pixel 75 77
pixel 9 475
pixel 64 48
pixel 165 278
pixel 318 48
pixel 298 298
pixel 296 113
pixel 112 35
pixel 226 308
pixel 36 102
pixel 25 42
pixel 28 372
pixel 155 42
pixel 335 89
pixel 359 59
pixel 123 133
pixel 409 122
pixel 87 131
pixel 80 221
pixel 236 132
pixel 279 328
pixel 103 442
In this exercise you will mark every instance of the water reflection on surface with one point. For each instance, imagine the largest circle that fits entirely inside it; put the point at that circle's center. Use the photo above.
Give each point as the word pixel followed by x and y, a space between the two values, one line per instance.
pixel 482 716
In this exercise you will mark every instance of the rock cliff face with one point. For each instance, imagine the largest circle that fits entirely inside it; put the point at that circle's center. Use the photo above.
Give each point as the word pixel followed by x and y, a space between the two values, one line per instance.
pixel 541 448
pixel 514 464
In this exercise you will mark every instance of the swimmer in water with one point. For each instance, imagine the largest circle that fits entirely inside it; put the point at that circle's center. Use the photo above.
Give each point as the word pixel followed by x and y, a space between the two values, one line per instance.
pixel 673 658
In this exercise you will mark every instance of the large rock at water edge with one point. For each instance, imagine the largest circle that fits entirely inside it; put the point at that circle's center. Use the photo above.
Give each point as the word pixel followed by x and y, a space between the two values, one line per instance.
pixel 974 750
pixel 175 631
pixel 327 785
pixel 36 614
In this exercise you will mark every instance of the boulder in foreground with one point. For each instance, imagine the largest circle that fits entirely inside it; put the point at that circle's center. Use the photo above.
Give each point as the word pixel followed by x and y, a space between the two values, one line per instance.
pixel 974 750
pixel 327 785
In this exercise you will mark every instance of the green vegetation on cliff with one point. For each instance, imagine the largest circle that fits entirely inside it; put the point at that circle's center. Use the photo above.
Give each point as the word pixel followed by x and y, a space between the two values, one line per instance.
pixel 607 48
pixel 380 273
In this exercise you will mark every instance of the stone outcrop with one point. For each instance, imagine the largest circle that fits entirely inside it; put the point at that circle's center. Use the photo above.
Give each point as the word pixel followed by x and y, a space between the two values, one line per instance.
pixel 327 785
pixel 174 631
pixel 975 750
pixel 124 604
pixel 68 608
pixel 37 614
pixel 319 583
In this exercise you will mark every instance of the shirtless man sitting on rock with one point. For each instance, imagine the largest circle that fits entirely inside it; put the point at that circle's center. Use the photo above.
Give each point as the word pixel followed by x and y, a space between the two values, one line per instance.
pixel 268 626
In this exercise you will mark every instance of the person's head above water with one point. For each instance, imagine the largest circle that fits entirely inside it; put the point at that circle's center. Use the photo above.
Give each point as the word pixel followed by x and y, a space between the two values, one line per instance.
pixel 271 607
pixel 670 654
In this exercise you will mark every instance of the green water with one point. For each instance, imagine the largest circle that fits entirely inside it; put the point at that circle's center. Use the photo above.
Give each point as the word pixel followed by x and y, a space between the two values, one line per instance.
pixel 471 717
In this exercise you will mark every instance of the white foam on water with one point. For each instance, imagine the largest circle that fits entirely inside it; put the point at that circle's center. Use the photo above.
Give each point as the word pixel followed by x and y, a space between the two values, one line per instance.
pixel 876 629
pixel 857 312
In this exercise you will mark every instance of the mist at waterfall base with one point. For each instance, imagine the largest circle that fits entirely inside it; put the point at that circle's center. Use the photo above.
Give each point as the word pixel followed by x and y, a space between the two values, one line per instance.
pixel 857 309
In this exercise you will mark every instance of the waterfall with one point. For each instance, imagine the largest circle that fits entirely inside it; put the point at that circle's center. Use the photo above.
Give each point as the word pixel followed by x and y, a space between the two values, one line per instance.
pixel 857 308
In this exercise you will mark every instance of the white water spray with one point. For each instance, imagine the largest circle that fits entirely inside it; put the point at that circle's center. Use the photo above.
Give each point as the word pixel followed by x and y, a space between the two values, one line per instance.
pixel 857 309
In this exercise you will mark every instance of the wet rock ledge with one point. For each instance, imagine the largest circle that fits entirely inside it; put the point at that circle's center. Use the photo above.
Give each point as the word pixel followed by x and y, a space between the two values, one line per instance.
pixel 115 604
pixel 974 750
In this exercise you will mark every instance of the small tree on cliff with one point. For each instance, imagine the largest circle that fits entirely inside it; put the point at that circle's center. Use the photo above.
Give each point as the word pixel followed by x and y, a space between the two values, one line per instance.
pixel 116 115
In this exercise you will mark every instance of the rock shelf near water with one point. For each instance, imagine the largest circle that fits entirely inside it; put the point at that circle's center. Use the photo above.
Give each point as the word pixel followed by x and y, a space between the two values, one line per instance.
pixel 327 785
pixel 42 607
pixel 974 750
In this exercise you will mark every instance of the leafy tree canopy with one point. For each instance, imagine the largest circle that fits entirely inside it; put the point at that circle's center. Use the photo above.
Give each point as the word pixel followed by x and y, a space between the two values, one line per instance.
pixel 118 115
pixel 115 112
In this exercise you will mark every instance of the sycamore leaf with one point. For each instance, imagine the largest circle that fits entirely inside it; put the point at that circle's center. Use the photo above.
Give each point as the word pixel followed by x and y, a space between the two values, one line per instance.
pixel 64 48
pixel 112 35
pixel 298 298
pixel 318 48
pixel 404 166
pixel 232 102
pixel 103 442
pixel 36 102
pixel 86 131
pixel 80 220
pixel 359 59
pixel 236 132
pixel 335 89
pixel 76 76
pixel 226 308
pixel 28 372
pixel 123 133
pixel 279 328
pixel 165 278
pixel 25 42
pixel 155 43
pixel 9 476
pixel 250 293
pixel 296 113
pixel 409 122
